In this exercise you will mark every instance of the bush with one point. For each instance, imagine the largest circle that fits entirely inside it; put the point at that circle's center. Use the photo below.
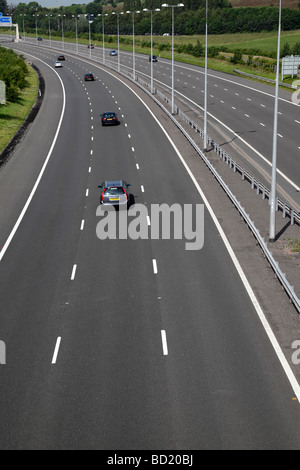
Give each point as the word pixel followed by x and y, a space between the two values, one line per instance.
pixel 237 57
pixel 13 72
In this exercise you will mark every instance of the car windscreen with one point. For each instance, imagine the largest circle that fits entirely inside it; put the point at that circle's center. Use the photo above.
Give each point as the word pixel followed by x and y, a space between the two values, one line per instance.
pixel 114 191
pixel 109 115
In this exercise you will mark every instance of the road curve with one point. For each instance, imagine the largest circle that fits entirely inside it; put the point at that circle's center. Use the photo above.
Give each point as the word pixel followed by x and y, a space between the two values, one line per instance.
pixel 123 344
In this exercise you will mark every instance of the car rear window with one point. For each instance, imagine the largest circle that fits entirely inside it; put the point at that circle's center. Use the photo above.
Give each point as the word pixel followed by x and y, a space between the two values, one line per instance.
pixel 114 191
pixel 109 115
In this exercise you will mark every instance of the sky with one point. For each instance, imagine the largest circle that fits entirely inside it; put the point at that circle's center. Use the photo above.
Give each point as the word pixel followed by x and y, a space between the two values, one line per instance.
pixel 53 3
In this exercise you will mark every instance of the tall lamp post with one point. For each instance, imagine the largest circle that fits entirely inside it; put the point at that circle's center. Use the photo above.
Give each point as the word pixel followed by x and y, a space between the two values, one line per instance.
pixel 88 17
pixel 62 31
pixel 133 46
pixel 76 32
pixel 103 41
pixel 23 14
pixel 151 48
pixel 49 29
pixel 36 35
pixel 166 5
pixel 205 83
pixel 274 152
pixel 118 29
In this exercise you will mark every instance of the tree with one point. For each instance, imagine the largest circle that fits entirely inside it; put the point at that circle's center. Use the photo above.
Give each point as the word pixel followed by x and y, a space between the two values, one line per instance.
pixel 286 50
pixel 3 6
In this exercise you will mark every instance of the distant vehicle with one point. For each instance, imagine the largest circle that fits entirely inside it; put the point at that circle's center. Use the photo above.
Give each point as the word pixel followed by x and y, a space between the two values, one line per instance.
pixel 58 64
pixel 109 118
pixel 115 193
pixel 89 77
pixel 61 57
pixel 166 34
pixel 90 46
pixel 39 39
pixel 113 52
pixel 154 58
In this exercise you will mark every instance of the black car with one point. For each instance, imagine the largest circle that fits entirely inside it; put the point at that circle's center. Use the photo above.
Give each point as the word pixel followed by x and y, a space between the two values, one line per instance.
pixel 90 46
pixel 109 118
pixel 114 193
pixel 89 77
pixel 154 58
pixel 61 57
pixel 39 39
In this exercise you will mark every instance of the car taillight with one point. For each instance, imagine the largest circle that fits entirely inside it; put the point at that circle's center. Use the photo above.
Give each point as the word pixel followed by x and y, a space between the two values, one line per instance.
pixel 102 195
pixel 125 193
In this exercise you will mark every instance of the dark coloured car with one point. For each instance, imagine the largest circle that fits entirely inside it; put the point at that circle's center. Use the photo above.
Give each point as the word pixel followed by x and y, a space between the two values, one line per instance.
pixel 113 52
pixel 109 118
pixel 114 193
pixel 89 77
pixel 90 46
pixel 61 57
pixel 39 39
pixel 154 58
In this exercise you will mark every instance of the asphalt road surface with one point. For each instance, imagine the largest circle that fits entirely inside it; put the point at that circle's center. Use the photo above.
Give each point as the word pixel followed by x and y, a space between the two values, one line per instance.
pixel 239 111
pixel 122 344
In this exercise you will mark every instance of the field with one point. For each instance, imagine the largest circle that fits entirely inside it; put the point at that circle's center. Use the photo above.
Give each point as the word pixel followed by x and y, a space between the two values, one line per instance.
pixel 266 42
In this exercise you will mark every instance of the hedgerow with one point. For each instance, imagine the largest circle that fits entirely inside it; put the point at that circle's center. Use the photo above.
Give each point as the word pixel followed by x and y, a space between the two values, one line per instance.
pixel 13 72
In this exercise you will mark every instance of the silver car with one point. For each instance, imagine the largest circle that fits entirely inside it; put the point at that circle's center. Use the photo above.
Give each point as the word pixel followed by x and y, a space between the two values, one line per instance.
pixel 114 193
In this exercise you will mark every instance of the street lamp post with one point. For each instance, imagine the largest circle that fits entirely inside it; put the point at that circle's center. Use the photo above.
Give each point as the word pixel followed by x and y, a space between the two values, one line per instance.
pixel 173 6
pixel 36 35
pixel 23 14
pixel 62 31
pixel 133 46
pixel 118 30
pixel 274 152
pixel 49 29
pixel 88 17
pixel 205 83
pixel 103 41
pixel 151 48
pixel 76 32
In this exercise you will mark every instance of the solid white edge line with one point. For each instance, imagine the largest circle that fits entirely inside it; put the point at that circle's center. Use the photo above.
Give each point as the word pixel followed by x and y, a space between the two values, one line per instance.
pixel 285 365
pixel 35 186
pixel 164 342
pixel 54 358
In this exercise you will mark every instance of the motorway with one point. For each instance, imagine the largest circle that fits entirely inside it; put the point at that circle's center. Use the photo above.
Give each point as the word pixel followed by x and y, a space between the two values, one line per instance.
pixel 240 114
pixel 122 344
